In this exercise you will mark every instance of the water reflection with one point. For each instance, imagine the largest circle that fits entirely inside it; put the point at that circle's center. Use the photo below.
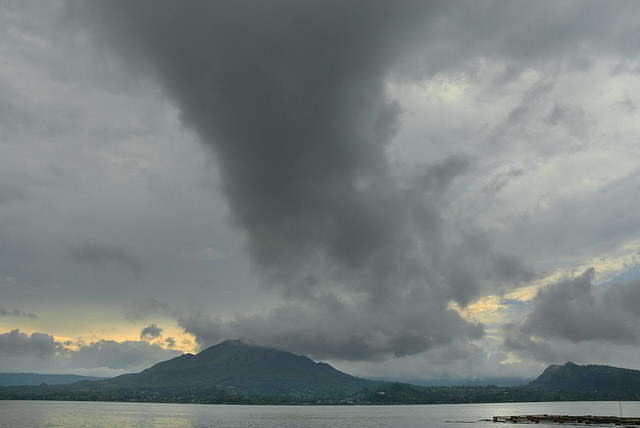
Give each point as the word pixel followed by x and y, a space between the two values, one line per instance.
pixel 28 414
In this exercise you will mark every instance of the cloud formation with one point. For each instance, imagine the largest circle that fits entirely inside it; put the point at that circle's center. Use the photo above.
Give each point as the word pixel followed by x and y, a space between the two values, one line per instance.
pixel 150 332
pixel 16 313
pixel 291 99
pixel 16 343
pixel 574 315
pixel 100 254
pixel 328 328
pixel 378 161
pixel 128 355
pixel 40 352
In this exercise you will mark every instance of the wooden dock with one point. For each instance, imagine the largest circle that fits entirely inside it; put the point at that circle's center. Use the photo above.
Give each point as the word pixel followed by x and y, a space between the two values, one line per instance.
pixel 566 419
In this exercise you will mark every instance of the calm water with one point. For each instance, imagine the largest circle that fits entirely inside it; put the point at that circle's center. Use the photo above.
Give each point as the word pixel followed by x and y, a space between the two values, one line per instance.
pixel 127 415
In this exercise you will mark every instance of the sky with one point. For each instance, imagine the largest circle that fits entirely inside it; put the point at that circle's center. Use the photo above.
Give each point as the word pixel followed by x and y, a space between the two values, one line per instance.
pixel 407 190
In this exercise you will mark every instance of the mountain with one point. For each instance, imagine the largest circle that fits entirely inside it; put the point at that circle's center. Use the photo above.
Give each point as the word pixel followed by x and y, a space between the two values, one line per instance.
pixel 236 372
pixel 498 381
pixel 14 379
pixel 588 378
pixel 240 367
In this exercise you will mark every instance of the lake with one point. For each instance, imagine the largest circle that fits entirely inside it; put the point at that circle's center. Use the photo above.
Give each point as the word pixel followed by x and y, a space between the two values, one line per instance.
pixel 27 414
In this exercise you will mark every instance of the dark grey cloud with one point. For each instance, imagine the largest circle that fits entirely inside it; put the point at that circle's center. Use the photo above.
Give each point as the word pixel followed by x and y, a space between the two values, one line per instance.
pixel 290 97
pixel 16 313
pixel 41 352
pixel 21 352
pixel 17 344
pixel 567 32
pixel 150 332
pixel 574 311
pixel 170 341
pixel 296 102
pixel 458 360
pixel 328 328
pixel 101 254
pixel 149 306
pixel 12 192
pixel 128 355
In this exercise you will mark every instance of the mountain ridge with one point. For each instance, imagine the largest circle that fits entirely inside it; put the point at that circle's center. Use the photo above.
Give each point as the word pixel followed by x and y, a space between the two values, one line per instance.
pixel 235 372
pixel 245 368
pixel 20 379
pixel 588 378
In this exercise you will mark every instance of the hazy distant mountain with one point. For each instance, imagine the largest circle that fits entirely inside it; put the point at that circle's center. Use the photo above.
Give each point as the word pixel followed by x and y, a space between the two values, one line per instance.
pixel 589 378
pixel 240 373
pixel 501 381
pixel 14 379
pixel 244 368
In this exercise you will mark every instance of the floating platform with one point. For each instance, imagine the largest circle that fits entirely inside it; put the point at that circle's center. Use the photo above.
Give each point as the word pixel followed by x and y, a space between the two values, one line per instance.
pixel 566 419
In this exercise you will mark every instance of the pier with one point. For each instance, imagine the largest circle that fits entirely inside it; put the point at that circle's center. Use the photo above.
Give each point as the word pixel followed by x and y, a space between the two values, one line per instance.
pixel 566 419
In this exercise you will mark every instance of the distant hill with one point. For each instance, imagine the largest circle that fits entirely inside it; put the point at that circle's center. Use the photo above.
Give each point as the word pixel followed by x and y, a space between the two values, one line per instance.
pixel 243 368
pixel 15 379
pixel 235 372
pixel 589 378
pixel 500 381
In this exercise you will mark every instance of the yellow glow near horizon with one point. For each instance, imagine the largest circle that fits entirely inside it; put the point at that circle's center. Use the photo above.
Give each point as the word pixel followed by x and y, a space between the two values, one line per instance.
pixel 438 89
pixel 103 330
pixel 488 309
pixel 73 329
pixel 485 310
pixel 511 359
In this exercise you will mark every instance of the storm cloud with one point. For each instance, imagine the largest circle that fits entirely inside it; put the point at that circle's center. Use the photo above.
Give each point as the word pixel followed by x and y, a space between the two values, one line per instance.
pixel 16 313
pixel 151 332
pixel 16 343
pixel 574 315
pixel 380 163
pixel 41 352
pixel 101 254
pixel 128 355
pixel 328 328
pixel 291 99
